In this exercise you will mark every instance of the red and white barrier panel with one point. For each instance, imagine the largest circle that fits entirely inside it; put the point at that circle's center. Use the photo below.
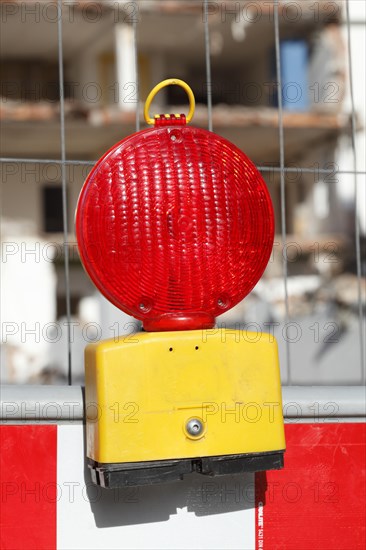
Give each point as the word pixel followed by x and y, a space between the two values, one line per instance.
pixel 316 502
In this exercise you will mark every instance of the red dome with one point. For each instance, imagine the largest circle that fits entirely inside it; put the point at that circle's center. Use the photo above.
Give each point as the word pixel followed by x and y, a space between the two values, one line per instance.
pixel 175 226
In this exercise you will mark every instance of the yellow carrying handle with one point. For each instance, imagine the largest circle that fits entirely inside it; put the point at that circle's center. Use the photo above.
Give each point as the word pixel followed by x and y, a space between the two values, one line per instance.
pixel 160 86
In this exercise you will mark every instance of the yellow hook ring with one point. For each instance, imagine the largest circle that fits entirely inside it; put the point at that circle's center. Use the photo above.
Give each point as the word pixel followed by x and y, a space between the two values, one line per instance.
pixel 160 86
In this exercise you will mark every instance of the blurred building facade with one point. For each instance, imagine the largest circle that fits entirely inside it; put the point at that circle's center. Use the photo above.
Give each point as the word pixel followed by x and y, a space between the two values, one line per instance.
pixel 101 100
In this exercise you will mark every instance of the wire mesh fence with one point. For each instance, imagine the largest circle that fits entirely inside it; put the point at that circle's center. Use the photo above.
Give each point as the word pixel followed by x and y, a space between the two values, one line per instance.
pixel 279 168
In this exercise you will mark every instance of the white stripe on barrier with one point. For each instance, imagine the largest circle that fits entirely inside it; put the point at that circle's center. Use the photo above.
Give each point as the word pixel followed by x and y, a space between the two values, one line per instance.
pixel 194 513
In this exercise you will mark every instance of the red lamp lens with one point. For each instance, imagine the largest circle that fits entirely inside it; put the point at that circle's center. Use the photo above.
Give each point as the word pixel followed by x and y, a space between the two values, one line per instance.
pixel 175 226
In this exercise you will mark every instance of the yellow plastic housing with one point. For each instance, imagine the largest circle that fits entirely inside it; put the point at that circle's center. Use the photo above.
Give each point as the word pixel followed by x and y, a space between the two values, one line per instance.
pixel 143 389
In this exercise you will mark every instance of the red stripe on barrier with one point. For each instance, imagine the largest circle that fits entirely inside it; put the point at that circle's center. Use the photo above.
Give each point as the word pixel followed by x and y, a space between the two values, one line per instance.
pixel 28 480
pixel 318 500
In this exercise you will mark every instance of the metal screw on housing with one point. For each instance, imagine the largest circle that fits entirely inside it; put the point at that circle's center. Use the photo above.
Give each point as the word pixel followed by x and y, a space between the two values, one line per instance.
pixel 194 427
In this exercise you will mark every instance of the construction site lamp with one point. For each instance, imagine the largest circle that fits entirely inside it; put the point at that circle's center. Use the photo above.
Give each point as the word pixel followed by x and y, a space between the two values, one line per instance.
pixel 175 226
